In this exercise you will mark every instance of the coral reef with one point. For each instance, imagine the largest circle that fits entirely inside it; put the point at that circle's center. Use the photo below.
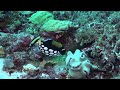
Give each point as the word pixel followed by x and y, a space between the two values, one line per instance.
pixel 91 40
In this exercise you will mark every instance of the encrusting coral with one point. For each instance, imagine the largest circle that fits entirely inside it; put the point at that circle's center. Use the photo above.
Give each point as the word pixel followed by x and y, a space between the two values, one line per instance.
pixel 47 22
pixel 56 25
pixel 40 17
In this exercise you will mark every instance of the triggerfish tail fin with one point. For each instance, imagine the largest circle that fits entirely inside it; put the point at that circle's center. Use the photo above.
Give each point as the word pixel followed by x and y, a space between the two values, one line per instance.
pixel 34 41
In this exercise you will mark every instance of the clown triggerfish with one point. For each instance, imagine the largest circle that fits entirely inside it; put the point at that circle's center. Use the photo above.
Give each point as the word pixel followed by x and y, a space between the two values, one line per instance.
pixel 49 47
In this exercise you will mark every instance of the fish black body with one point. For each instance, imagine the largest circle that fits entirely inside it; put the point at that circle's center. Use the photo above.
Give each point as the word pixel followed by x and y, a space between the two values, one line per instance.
pixel 49 47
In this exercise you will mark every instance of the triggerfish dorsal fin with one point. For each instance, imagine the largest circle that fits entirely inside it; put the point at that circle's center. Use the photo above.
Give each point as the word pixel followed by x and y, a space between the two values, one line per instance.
pixel 34 41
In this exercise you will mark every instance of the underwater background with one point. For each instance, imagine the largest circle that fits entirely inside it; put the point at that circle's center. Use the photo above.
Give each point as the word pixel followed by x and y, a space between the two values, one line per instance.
pixel 59 44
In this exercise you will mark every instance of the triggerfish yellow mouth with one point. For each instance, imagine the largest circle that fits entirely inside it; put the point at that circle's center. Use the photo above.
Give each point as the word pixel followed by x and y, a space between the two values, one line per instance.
pixel 49 47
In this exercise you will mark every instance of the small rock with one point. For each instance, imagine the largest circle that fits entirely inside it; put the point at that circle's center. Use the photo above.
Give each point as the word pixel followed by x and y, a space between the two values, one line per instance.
pixel 44 76
pixel 2 52
pixel 29 67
